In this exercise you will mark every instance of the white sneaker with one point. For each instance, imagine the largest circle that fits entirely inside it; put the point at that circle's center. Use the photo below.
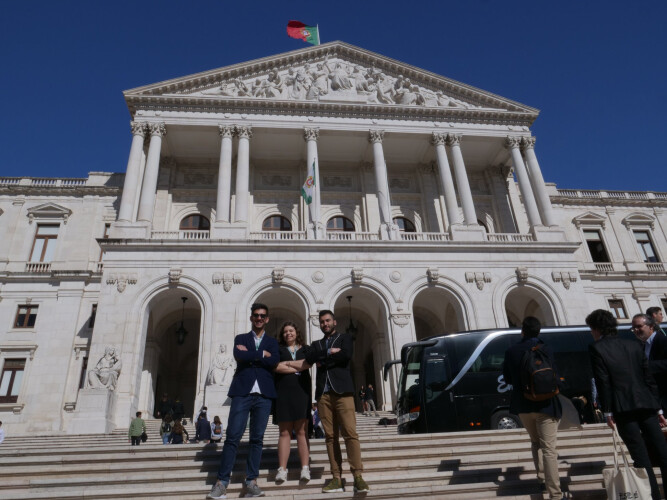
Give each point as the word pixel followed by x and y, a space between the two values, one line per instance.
pixel 305 473
pixel 281 475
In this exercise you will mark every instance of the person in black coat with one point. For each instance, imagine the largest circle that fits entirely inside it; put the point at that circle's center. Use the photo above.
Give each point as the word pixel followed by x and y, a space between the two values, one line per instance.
pixel 655 349
pixel 628 393
pixel 540 418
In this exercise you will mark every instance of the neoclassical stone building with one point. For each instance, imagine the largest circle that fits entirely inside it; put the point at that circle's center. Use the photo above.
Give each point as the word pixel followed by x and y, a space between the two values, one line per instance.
pixel 429 215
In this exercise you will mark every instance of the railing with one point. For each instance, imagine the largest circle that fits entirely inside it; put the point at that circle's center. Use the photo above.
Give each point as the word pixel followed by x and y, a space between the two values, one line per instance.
pixel 41 181
pixel 617 195
pixel 277 235
pixel 181 235
pixel 604 267
pixel 509 237
pixel 655 267
pixel 424 236
pixel 350 236
pixel 38 267
pixel 100 267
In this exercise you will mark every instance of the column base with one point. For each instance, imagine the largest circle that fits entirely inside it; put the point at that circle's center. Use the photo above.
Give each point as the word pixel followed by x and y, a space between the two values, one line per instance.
pixel 229 231
pixel 217 402
pixel 464 232
pixel 130 230
pixel 94 412
pixel 548 234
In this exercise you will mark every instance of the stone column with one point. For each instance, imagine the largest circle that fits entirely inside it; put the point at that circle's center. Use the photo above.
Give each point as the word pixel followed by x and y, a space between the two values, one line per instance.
pixel 469 215
pixel 132 180
pixel 446 181
pixel 223 202
pixel 513 143
pixel 537 181
pixel 149 186
pixel 242 174
pixel 382 184
pixel 311 135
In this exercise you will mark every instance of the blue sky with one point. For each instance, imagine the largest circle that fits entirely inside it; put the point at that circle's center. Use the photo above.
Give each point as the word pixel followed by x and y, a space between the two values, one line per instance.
pixel 596 70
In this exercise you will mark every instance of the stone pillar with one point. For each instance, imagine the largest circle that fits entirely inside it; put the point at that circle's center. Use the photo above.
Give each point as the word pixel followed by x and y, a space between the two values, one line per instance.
pixel 537 181
pixel 132 180
pixel 314 230
pixel 469 215
pixel 382 185
pixel 242 174
pixel 149 186
pixel 223 202
pixel 513 143
pixel 446 181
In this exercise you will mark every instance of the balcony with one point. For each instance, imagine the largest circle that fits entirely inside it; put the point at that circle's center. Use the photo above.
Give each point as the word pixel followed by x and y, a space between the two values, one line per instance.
pixel 425 236
pixel 510 237
pixel 604 267
pixel 614 195
pixel 350 236
pixel 278 235
pixel 196 234
pixel 655 267
pixel 38 267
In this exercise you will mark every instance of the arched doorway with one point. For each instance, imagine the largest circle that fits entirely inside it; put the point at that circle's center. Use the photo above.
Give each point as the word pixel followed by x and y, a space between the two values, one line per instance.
pixel 171 357
pixel 524 301
pixel 284 305
pixel 437 311
pixel 370 327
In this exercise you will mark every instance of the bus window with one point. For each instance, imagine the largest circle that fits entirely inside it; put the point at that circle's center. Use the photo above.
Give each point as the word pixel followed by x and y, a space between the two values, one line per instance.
pixel 435 378
pixel 491 359
pixel 408 394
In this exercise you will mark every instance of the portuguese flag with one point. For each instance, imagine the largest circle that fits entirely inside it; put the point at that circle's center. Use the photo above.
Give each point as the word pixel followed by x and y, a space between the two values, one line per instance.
pixel 310 34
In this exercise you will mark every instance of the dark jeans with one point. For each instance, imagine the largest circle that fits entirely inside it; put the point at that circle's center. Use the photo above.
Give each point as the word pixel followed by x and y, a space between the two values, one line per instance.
pixel 259 409
pixel 637 428
pixel 136 440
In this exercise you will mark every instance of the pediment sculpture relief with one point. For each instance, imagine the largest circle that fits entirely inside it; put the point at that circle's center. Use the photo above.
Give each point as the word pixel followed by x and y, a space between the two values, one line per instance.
pixel 106 372
pixel 336 80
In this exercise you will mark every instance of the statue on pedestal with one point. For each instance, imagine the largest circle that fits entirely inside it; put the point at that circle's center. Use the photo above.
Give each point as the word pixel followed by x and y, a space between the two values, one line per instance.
pixel 221 365
pixel 106 372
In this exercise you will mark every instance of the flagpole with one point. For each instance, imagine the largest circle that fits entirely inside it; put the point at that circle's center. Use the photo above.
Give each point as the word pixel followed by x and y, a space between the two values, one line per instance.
pixel 318 34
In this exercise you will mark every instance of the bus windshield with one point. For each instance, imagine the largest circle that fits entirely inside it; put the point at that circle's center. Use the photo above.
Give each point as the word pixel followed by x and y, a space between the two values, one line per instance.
pixel 408 388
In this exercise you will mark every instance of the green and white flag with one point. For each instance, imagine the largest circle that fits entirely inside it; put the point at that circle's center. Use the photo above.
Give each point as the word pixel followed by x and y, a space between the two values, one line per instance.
pixel 309 186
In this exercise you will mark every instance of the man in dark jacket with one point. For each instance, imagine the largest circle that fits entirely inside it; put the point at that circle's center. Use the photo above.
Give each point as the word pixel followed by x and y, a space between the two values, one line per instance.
pixel 655 349
pixel 628 393
pixel 540 418
pixel 334 392
pixel 252 391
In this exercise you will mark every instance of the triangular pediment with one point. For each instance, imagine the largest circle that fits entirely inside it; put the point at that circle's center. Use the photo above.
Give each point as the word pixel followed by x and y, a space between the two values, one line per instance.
pixel 336 74
pixel 49 211
pixel 589 219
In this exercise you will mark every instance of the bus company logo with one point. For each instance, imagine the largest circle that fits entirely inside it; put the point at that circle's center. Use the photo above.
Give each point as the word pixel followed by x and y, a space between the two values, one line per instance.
pixel 502 385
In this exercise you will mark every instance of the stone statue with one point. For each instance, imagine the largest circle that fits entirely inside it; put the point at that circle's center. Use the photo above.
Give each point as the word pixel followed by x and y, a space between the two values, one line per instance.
pixel 220 370
pixel 106 372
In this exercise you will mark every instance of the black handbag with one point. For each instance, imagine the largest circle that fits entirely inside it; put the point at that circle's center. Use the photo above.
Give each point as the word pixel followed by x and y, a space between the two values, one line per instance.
pixel 144 437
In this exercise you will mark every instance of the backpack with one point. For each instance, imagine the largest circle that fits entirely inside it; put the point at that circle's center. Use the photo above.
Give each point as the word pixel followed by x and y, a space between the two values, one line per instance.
pixel 539 381
pixel 166 427
pixel 218 429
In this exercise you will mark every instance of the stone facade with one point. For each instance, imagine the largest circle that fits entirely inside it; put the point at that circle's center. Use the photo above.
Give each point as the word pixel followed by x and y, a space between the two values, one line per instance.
pixel 429 211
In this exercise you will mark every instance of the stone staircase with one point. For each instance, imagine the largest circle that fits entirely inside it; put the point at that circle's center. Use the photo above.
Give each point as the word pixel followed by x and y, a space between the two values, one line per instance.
pixel 463 465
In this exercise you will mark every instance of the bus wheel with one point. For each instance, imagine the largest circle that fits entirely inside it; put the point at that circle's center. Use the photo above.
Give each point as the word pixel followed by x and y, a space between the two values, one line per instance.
pixel 505 420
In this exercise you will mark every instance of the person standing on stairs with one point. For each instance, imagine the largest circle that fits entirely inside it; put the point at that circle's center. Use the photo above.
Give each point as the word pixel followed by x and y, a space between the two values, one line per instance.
pixel 137 428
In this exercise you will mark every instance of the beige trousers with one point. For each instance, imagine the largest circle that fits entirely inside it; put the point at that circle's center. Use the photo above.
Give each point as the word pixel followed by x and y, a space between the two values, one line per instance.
pixel 338 417
pixel 543 431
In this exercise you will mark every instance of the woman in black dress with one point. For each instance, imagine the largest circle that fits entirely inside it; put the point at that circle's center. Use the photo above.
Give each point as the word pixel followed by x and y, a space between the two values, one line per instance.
pixel 293 402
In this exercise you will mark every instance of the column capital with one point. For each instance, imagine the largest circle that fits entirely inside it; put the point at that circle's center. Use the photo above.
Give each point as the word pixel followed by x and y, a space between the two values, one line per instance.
pixel 528 142
pixel 375 136
pixel 453 140
pixel 138 128
pixel 158 129
pixel 311 134
pixel 244 131
pixel 438 138
pixel 512 142
pixel 226 130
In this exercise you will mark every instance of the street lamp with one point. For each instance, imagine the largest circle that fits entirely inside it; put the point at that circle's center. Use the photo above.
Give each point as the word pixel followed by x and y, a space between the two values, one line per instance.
pixel 182 332
pixel 351 329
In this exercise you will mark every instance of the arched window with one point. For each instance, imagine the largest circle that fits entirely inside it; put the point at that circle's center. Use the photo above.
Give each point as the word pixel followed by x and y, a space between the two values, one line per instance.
pixel 195 222
pixel 404 225
pixel 340 224
pixel 276 223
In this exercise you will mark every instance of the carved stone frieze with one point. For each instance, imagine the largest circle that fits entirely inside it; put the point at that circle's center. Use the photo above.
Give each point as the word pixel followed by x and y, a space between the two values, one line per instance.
pixel 564 277
pixel 400 320
pixel 357 275
pixel 433 274
pixel 478 278
pixel 337 181
pixel 278 274
pixel 227 280
pixel 174 275
pixel 274 180
pixel 121 280
pixel 315 319
pixel 522 274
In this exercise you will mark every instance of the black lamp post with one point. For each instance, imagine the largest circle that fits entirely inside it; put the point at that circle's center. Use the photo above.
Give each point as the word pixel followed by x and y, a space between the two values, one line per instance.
pixel 351 329
pixel 182 332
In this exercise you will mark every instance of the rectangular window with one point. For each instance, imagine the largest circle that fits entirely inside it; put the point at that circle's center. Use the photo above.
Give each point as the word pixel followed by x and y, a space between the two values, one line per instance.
pixel 25 317
pixel 84 369
pixel 595 246
pixel 10 383
pixel 93 313
pixel 645 246
pixel 44 245
pixel 104 236
pixel 617 309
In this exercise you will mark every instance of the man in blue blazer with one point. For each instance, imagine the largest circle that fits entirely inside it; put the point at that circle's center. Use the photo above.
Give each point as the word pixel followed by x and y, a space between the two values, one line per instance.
pixel 252 392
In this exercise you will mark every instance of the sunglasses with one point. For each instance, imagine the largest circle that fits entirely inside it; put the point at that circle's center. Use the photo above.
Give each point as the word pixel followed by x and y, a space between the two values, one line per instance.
pixel 260 316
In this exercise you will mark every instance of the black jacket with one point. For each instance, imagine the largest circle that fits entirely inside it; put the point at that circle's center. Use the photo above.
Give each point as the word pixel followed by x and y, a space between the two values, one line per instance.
pixel 657 365
pixel 335 367
pixel 622 376
pixel 512 374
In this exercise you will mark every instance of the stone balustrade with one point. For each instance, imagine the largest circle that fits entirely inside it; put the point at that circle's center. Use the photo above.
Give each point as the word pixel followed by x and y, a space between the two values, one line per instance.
pixel 615 195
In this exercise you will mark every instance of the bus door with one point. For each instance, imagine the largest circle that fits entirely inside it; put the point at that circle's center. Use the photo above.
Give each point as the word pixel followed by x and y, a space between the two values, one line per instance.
pixel 481 391
pixel 439 406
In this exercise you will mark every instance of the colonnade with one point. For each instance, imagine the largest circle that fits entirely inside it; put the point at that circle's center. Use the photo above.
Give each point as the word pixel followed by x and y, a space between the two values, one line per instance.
pixel 529 176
